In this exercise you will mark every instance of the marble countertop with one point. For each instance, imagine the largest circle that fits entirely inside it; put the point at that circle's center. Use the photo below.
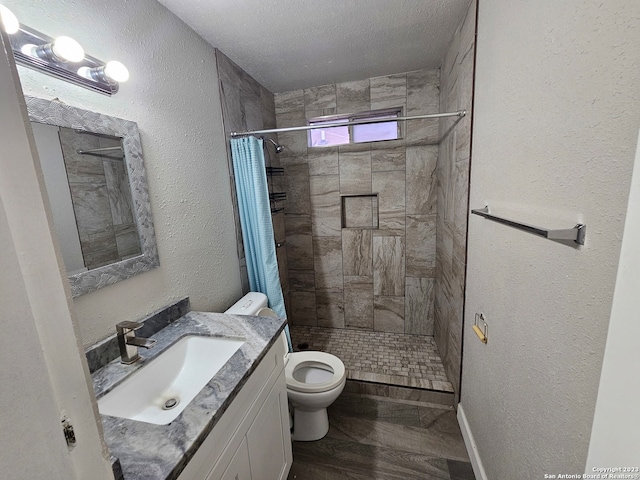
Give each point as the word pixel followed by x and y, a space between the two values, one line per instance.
pixel 153 452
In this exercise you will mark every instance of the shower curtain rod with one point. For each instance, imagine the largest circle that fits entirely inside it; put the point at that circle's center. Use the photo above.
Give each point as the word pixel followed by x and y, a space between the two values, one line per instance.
pixel 460 113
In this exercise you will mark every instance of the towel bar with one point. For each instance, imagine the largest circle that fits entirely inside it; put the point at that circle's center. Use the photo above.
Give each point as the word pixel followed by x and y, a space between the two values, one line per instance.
pixel 577 233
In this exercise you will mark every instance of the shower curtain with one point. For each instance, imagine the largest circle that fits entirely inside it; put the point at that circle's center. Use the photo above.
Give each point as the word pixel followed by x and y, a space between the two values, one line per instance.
pixel 255 219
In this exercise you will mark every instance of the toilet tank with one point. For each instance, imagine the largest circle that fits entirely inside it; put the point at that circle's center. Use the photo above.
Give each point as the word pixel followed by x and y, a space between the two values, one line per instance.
pixel 250 304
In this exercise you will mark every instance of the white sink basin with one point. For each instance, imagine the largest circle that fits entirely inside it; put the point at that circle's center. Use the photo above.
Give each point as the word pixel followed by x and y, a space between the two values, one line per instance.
pixel 179 373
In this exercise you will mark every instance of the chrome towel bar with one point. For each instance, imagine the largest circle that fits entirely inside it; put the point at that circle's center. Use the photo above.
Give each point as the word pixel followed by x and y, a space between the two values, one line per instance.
pixel 577 233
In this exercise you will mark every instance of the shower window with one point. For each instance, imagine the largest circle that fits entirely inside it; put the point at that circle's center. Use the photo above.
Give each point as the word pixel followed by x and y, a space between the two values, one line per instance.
pixel 368 132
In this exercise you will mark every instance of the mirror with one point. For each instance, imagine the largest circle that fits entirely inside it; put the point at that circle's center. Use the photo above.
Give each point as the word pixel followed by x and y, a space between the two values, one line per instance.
pixel 96 183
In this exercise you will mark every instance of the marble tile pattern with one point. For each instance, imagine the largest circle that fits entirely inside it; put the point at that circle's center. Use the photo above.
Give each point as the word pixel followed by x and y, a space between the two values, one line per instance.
pixel 453 162
pixel 325 205
pixel 421 167
pixel 297 189
pixel 388 266
pixel 71 118
pixel 390 187
pixel 419 306
pixel 327 263
pixel 388 159
pixel 355 172
pixel 303 307
pixel 421 245
pixel 358 302
pixel 105 351
pixel 360 212
pixel 401 172
pixel 323 161
pixel 100 196
pixel 330 309
pixel 357 252
pixel 148 451
pixel 380 438
pixel 389 92
pixel 119 193
pixel 385 358
pixel 353 96
pixel 388 314
pixel 127 240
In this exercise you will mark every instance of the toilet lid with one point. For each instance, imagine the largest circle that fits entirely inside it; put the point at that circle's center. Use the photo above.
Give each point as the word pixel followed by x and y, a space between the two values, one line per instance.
pixel 319 360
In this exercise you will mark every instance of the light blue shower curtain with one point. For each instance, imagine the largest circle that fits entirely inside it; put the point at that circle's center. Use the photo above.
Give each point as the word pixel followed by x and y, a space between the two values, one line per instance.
pixel 255 219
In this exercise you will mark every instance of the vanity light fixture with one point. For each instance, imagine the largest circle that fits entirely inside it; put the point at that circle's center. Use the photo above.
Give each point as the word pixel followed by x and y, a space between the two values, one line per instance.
pixel 61 50
pixel 113 71
pixel 62 57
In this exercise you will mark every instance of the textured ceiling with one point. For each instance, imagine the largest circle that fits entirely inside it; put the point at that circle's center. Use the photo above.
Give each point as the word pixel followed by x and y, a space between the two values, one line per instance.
pixel 291 44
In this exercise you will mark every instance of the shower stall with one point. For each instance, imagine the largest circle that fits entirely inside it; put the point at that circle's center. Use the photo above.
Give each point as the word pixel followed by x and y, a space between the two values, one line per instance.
pixel 371 236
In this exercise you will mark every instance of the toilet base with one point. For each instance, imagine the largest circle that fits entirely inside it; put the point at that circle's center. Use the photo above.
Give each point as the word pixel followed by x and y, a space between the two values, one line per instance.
pixel 309 426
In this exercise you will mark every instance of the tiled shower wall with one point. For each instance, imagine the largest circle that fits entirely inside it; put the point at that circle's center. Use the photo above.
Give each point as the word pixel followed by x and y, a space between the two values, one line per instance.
pixel 456 82
pixel 247 105
pixel 376 279
pixel 101 198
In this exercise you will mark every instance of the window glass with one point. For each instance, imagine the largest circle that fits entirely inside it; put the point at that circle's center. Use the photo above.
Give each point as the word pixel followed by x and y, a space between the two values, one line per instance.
pixel 325 137
pixel 371 132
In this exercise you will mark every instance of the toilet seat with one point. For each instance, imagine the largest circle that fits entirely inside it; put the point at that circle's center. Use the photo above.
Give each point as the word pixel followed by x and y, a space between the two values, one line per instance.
pixel 321 360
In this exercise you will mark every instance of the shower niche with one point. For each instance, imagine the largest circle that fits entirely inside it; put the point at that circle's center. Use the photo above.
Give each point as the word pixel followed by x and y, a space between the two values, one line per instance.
pixel 359 211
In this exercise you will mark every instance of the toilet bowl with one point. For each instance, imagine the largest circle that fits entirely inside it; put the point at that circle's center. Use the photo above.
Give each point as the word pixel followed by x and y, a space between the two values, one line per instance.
pixel 314 379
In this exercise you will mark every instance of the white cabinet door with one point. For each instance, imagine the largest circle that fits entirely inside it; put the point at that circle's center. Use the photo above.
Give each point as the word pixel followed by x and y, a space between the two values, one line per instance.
pixel 268 438
pixel 238 468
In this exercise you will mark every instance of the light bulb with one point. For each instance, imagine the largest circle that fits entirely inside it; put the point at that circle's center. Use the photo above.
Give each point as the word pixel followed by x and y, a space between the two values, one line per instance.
pixel 85 72
pixel 9 20
pixel 29 49
pixel 116 71
pixel 68 49
pixel 113 72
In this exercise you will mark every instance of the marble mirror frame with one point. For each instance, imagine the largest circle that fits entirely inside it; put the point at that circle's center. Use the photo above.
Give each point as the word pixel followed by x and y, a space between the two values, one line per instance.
pixel 54 112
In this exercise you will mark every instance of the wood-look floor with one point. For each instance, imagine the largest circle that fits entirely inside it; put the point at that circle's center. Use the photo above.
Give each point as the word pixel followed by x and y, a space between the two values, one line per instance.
pixel 378 439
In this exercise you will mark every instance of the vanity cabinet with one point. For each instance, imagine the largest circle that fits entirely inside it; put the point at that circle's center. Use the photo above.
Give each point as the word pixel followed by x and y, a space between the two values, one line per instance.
pixel 251 441
pixel 238 468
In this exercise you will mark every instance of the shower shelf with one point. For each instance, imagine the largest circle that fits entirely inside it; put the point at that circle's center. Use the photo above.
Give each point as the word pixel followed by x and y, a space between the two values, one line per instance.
pixel 275 171
pixel 277 196
pixel 577 233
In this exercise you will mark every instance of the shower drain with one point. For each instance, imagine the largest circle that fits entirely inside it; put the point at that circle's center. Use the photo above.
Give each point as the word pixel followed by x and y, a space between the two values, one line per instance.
pixel 171 403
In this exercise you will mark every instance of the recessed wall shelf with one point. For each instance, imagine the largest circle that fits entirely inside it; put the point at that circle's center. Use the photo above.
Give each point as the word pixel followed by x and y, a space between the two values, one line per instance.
pixel 359 211
pixel 576 234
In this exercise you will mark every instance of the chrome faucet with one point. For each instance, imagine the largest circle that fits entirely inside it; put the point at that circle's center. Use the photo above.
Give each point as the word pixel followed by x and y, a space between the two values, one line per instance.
pixel 129 343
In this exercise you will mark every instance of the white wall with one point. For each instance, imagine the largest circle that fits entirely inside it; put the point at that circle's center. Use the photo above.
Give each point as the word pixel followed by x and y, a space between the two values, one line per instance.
pixel 173 96
pixel 556 114
pixel 33 413
pixel 614 438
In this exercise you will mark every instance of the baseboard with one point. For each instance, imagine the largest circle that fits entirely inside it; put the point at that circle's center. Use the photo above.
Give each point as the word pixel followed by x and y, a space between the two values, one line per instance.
pixel 472 449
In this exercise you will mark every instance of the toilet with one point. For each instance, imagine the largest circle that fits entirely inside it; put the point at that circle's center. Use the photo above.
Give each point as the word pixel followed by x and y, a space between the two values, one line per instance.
pixel 314 379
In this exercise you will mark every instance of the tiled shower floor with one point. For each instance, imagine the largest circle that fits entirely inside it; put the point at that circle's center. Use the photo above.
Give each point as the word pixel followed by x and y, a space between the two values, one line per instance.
pixel 387 358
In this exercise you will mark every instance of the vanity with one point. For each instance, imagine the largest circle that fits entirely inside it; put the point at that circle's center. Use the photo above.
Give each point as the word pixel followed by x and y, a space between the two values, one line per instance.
pixel 233 423
pixel 236 426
